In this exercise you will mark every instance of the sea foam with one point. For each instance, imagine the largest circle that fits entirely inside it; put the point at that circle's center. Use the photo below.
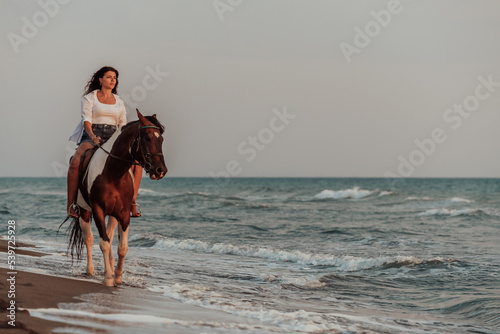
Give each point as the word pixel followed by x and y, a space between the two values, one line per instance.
pixel 343 263
pixel 449 212
pixel 202 296
pixel 354 193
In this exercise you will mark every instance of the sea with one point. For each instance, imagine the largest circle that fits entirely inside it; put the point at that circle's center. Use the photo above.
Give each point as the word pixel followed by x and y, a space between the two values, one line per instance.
pixel 298 255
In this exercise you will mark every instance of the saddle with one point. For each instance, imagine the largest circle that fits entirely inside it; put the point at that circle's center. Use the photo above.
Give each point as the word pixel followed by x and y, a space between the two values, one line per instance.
pixel 83 172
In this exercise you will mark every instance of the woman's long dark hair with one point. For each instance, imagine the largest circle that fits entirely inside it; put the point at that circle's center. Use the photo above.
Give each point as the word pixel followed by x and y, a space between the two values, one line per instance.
pixel 94 83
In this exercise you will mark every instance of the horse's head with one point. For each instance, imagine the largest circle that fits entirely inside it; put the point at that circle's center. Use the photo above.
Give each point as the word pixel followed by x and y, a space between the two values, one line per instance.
pixel 149 150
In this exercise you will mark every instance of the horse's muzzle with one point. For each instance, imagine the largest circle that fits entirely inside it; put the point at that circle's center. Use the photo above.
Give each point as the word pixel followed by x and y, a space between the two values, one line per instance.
pixel 158 173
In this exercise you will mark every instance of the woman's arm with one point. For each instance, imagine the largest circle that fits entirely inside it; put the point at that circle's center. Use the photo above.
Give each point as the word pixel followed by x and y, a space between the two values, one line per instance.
pixel 87 117
pixel 123 114
pixel 88 128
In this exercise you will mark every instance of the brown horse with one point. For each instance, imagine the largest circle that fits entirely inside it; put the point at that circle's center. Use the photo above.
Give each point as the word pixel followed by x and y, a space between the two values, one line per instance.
pixel 107 189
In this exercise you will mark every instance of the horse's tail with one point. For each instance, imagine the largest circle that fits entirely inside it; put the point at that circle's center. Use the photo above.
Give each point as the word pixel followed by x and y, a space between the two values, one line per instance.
pixel 75 238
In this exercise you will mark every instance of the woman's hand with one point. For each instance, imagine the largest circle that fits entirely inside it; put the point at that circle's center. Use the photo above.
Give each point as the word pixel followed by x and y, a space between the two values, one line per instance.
pixel 96 139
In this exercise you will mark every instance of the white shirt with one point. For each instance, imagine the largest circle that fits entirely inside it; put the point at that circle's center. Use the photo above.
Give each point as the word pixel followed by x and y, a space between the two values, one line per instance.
pixel 96 112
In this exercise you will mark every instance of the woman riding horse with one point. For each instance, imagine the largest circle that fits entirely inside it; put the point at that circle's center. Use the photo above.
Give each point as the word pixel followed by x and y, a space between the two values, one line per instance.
pixel 102 112
pixel 108 191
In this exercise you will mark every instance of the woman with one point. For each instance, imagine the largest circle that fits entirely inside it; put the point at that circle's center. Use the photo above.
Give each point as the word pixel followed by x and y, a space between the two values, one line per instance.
pixel 102 112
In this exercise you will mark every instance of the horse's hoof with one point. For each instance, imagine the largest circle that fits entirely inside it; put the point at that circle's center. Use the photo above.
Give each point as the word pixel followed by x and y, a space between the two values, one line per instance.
pixel 109 282
pixel 118 280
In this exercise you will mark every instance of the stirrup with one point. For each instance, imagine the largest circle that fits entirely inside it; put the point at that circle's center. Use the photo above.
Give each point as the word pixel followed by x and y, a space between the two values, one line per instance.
pixel 139 212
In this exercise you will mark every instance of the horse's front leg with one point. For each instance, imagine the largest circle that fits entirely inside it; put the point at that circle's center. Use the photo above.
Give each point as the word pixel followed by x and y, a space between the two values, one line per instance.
pixel 88 238
pixel 110 230
pixel 122 249
pixel 104 244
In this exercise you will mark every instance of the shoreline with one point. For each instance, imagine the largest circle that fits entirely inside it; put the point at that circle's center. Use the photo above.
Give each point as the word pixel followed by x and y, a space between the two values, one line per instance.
pixel 4 248
pixel 34 291
pixel 37 291
pixel 49 297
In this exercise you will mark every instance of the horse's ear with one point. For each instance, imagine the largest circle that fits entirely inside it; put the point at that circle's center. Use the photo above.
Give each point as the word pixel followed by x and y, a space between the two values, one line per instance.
pixel 141 118
pixel 154 115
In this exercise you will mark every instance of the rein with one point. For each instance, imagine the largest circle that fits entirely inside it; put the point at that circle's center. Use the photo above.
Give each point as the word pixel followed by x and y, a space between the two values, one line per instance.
pixel 145 157
pixel 119 158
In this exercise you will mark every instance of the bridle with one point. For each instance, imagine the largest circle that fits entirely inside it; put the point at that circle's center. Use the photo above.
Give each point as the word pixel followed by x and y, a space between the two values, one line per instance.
pixel 146 157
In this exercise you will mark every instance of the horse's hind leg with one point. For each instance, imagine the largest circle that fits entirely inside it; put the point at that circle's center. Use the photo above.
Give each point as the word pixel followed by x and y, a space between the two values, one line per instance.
pixel 86 227
pixel 122 252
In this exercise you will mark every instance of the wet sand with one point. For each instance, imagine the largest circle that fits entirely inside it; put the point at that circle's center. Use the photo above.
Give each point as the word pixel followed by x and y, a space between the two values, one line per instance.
pixel 37 291
pixel 4 248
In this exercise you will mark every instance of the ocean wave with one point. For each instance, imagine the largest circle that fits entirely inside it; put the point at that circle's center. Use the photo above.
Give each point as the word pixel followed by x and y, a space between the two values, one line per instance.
pixel 354 193
pixel 47 193
pixel 485 308
pixel 413 262
pixel 445 201
pixel 191 196
pixel 336 231
pixel 260 198
pixel 344 263
pixel 459 200
pixel 451 212
pixel 303 282
pixel 233 199
pixel 416 198
pixel 150 192
pixel 145 239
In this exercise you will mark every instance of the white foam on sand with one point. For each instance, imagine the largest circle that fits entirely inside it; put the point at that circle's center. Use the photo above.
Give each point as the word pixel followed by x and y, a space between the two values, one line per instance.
pixel 205 297
pixel 288 322
pixel 131 310
pixel 112 321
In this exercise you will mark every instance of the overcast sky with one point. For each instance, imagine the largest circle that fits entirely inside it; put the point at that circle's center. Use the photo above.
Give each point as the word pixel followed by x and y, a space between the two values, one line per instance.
pixel 263 87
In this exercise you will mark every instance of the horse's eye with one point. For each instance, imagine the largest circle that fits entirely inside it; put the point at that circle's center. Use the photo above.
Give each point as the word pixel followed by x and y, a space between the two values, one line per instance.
pixel 148 139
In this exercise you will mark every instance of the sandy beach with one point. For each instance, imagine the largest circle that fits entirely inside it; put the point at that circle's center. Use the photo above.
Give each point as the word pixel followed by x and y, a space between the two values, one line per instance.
pixel 34 291
pixel 49 303
pixel 40 291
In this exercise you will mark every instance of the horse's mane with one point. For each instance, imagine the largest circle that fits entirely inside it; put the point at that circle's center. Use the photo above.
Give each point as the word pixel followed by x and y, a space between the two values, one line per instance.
pixel 149 118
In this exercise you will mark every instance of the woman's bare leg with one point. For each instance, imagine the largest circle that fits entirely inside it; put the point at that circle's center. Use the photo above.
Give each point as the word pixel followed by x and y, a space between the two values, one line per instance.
pixel 74 165
pixel 137 183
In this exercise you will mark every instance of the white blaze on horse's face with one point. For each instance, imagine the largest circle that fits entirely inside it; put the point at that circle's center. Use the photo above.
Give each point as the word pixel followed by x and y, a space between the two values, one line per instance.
pixel 156 167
